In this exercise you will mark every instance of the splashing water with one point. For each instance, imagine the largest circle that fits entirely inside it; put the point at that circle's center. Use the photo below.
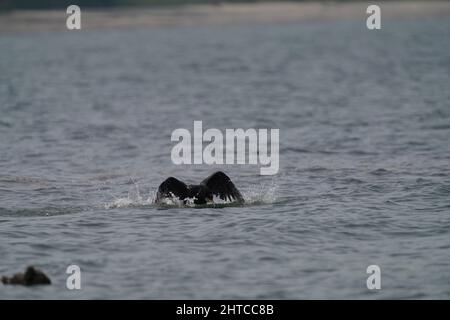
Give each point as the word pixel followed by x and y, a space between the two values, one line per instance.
pixel 134 199
pixel 259 194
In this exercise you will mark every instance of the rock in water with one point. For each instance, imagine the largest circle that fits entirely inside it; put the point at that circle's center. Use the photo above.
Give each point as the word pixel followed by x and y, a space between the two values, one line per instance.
pixel 32 276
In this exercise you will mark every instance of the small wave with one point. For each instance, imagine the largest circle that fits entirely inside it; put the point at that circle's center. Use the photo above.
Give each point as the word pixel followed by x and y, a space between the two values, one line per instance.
pixel 36 212
pixel 380 172
pixel 444 126
pixel 23 180
pixel 5 124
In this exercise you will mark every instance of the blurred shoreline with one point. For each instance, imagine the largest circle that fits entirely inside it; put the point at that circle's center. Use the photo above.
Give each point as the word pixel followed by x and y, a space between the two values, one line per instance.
pixel 223 14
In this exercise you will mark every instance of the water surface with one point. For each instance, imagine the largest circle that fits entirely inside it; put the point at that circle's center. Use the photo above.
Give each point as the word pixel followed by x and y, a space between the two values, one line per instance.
pixel 364 119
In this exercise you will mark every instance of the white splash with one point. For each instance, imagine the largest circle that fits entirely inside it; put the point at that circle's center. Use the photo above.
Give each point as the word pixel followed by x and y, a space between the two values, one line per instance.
pixel 262 193
pixel 258 194
pixel 175 201
pixel 134 199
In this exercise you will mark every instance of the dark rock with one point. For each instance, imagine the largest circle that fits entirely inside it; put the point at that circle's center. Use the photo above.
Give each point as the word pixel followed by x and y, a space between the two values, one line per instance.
pixel 32 276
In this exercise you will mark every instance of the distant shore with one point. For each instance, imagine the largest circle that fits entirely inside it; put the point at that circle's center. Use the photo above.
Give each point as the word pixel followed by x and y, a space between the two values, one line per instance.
pixel 223 14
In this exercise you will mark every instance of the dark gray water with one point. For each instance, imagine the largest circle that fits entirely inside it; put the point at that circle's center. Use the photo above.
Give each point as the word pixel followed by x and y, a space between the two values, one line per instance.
pixel 364 119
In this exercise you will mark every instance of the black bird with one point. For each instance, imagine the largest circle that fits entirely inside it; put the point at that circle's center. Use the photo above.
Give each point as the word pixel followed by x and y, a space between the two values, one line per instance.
pixel 218 184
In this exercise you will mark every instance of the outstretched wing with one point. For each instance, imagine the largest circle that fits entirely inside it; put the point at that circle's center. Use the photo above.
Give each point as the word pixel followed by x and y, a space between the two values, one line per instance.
pixel 172 187
pixel 222 186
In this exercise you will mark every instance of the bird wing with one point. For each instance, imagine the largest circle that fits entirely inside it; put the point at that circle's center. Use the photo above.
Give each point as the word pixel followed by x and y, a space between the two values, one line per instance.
pixel 222 186
pixel 172 187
